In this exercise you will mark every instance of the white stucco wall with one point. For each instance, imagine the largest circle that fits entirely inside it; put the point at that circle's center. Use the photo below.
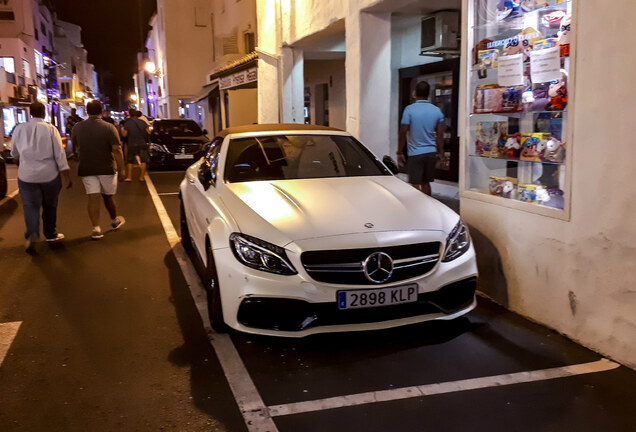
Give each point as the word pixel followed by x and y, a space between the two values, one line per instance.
pixel 577 276
pixel 187 48
pixel 243 107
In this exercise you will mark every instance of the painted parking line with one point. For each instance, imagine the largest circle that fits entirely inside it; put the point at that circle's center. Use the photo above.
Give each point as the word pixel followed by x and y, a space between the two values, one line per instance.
pixel 248 399
pixel 435 389
pixel 9 197
pixel 8 331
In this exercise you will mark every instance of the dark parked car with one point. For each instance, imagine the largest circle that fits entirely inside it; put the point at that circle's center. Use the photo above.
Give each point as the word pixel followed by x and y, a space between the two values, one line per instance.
pixel 176 143
pixel 6 149
pixel 3 178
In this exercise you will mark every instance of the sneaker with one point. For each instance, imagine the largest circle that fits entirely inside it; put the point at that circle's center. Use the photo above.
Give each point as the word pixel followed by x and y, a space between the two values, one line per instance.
pixel 29 246
pixel 117 222
pixel 58 237
pixel 97 234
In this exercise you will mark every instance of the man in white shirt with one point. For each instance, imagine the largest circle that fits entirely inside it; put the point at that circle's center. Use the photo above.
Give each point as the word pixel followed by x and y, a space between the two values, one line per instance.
pixel 42 171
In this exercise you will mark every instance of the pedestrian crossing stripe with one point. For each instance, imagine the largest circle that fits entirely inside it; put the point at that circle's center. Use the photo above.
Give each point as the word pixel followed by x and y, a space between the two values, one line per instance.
pixel 8 331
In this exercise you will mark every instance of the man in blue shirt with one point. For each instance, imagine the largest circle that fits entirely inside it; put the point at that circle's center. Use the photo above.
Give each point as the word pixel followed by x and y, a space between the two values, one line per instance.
pixel 422 128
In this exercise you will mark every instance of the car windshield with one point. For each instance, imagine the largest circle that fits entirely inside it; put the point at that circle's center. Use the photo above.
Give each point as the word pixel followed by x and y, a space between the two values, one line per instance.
pixel 287 157
pixel 180 128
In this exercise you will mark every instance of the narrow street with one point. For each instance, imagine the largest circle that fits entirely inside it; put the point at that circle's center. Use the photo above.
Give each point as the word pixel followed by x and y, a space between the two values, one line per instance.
pixel 106 335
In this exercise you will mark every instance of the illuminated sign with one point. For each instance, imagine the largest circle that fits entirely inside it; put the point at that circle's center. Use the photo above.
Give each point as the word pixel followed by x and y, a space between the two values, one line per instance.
pixel 239 78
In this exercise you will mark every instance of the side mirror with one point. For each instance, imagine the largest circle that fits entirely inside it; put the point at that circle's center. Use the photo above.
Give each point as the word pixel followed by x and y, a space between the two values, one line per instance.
pixel 390 164
pixel 205 175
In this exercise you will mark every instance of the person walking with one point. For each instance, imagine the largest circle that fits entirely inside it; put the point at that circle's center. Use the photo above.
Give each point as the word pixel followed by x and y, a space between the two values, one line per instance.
pixel 422 128
pixel 71 121
pixel 136 131
pixel 99 146
pixel 42 172
pixel 107 118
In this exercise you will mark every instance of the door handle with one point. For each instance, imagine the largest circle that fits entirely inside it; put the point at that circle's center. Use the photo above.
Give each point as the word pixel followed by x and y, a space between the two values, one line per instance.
pixel 191 180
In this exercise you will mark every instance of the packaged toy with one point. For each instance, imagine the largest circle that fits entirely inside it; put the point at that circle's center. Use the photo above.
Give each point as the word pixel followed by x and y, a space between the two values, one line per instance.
pixel 513 146
pixel 545 43
pixel 511 99
pixel 554 151
pixel 558 93
pixel 532 193
pixel 508 9
pixel 564 35
pixel 490 138
pixel 505 187
pixel 488 58
pixel 488 98
pixel 529 144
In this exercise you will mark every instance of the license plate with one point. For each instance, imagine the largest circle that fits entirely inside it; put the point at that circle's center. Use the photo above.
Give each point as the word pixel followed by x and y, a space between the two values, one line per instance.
pixel 357 299
pixel 184 156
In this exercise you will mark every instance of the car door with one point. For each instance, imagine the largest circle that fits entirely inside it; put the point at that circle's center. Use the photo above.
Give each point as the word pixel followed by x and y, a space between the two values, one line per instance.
pixel 204 199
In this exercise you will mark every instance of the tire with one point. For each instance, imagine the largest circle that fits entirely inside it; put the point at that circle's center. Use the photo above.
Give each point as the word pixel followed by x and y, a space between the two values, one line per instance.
pixel 215 311
pixel 186 240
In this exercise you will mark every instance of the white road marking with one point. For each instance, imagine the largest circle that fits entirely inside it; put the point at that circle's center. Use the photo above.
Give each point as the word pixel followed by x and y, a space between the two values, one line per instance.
pixel 9 197
pixel 8 331
pixel 435 389
pixel 252 407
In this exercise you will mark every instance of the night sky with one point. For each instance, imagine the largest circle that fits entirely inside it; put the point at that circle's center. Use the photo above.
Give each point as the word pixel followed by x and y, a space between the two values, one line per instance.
pixel 111 35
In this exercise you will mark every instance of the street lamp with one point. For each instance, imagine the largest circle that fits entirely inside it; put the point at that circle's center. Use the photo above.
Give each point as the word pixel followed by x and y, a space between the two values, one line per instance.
pixel 150 67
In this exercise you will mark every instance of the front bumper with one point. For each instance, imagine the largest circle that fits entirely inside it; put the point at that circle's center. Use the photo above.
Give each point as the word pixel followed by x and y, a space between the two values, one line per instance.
pixel 291 315
pixel 298 306
pixel 162 159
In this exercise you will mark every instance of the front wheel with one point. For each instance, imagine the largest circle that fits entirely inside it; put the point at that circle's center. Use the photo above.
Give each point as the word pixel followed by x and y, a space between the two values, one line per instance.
pixel 186 240
pixel 215 311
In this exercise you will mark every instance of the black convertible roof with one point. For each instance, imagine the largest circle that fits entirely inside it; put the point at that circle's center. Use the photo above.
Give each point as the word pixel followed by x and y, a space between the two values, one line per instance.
pixel 272 127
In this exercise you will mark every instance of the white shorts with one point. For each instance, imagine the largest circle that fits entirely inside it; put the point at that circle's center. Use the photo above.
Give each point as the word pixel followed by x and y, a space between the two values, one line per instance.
pixel 102 184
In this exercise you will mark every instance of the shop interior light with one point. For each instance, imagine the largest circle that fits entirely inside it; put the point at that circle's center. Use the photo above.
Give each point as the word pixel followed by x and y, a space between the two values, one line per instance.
pixel 79 94
pixel 133 97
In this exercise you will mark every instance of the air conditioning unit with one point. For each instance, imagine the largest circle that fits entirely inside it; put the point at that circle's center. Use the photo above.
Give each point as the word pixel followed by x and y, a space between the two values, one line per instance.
pixel 440 32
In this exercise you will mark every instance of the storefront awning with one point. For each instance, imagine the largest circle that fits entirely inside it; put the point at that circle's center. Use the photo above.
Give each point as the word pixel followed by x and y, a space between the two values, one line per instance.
pixel 205 92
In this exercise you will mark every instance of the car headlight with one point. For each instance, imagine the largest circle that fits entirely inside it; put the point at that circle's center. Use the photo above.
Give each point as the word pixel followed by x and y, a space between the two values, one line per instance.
pixel 158 148
pixel 457 243
pixel 260 255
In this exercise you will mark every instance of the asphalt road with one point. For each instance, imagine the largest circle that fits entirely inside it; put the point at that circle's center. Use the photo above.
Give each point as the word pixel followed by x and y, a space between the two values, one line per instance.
pixel 105 335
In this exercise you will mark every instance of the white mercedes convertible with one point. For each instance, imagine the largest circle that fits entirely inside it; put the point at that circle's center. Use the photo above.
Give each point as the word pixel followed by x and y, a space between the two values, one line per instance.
pixel 302 230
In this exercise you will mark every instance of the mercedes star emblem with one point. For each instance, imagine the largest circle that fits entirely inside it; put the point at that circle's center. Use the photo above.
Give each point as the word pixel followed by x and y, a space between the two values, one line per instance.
pixel 378 267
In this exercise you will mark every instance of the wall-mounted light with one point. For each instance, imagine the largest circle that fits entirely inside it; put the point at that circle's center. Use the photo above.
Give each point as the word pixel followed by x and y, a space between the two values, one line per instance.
pixel 150 67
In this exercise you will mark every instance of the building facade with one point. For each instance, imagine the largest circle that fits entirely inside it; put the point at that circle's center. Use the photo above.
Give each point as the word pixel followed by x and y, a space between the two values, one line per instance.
pixel 570 270
pixel 35 48
pixel 180 46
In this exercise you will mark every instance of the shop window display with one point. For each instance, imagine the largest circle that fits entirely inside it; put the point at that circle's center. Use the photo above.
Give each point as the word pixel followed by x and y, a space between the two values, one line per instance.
pixel 517 146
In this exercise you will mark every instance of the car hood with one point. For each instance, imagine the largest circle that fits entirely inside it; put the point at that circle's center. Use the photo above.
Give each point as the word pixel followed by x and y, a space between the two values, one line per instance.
pixel 290 210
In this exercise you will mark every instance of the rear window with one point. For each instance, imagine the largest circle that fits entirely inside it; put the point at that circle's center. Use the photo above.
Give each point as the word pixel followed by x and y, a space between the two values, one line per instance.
pixel 177 128
pixel 287 157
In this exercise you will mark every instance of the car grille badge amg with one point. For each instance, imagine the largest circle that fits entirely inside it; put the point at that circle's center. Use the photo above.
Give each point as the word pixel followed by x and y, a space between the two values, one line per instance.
pixel 378 267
